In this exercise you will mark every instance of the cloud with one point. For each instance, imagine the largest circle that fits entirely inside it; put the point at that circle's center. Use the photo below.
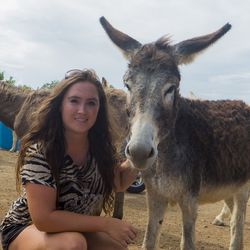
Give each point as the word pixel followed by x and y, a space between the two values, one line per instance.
pixel 243 78
pixel 40 41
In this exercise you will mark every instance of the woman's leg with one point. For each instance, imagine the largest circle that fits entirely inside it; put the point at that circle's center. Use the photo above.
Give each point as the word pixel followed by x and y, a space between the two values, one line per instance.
pixel 33 239
pixel 103 241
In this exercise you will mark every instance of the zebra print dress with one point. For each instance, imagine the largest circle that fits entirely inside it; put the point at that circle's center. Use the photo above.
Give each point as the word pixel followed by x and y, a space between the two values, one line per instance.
pixel 81 191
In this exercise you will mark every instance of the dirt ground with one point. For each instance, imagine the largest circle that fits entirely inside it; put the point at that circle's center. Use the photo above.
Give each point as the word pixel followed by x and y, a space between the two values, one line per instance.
pixel 208 236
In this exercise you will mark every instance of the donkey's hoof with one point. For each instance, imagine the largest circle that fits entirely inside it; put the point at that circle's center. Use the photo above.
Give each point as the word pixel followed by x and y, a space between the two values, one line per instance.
pixel 218 222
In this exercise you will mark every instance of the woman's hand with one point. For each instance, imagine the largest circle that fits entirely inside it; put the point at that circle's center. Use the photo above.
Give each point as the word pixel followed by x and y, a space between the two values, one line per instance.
pixel 121 231
pixel 125 174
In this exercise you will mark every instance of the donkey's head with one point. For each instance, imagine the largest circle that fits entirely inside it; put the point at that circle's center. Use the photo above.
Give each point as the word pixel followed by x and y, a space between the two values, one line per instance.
pixel 152 80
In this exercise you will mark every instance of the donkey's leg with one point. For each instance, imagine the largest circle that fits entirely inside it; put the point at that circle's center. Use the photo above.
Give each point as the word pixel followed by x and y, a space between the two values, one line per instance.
pixel 188 207
pixel 238 220
pixel 225 212
pixel 14 141
pixel 156 208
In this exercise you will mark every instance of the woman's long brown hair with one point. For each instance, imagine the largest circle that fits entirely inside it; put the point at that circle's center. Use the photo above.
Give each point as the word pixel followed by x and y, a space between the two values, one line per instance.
pixel 47 130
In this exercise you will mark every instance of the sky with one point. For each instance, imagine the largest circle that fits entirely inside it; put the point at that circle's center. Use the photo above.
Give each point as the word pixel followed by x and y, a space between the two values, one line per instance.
pixel 41 40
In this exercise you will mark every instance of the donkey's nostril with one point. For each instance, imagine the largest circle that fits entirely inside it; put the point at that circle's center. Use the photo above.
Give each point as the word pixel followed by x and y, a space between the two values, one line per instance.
pixel 139 153
pixel 151 154
pixel 127 150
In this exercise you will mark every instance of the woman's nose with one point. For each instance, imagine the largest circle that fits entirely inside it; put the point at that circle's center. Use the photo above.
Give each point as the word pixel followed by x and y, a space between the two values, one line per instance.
pixel 82 109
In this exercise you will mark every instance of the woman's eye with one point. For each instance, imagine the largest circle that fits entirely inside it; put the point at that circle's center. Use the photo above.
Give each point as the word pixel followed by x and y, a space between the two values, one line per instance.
pixel 73 100
pixel 91 103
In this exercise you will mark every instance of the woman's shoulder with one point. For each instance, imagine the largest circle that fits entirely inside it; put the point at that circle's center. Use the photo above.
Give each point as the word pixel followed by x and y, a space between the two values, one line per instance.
pixel 34 149
pixel 36 168
pixel 35 154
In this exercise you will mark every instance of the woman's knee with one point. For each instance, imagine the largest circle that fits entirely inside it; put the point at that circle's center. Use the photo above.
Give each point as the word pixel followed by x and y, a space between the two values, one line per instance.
pixel 32 238
pixel 76 241
pixel 70 241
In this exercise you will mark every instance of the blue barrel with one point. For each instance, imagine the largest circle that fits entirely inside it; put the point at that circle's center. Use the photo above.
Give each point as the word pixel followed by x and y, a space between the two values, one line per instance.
pixel 5 137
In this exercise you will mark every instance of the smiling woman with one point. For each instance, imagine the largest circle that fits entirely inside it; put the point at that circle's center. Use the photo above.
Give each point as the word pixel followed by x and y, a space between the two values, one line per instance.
pixel 80 108
pixel 66 166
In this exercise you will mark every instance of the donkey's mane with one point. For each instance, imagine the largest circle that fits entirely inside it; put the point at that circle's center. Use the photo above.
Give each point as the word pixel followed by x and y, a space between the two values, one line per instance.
pixel 13 89
pixel 155 57
pixel 163 42
pixel 11 93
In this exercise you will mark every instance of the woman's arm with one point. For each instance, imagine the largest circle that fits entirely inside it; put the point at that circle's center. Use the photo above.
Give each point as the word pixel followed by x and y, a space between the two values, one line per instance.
pixel 45 216
pixel 124 176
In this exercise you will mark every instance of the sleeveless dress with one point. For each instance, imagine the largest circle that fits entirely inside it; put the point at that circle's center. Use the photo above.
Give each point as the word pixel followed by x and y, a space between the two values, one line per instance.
pixel 81 191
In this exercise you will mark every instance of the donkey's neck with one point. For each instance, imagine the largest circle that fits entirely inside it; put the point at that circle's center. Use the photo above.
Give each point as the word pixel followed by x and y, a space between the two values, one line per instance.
pixel 10 104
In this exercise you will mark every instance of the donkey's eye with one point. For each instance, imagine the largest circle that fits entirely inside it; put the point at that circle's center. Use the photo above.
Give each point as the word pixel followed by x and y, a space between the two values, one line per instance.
pixel 128 112
pixel 169 95
pixel 170 90
pixel 127 86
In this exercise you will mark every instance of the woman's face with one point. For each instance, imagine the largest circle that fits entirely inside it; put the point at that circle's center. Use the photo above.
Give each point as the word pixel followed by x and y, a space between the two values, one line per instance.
pixel 80 107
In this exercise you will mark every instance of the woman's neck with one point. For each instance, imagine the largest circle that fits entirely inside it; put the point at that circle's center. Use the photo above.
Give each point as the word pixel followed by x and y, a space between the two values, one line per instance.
pixel 77 148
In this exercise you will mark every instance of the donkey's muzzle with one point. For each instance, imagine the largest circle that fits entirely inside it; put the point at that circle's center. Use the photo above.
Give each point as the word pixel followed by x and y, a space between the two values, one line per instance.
pixel 140 154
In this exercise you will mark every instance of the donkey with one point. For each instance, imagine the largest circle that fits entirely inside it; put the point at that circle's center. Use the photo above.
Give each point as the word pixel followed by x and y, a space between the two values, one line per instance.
pixel 14 142
pixel 189 151
pixel 225 212
pixel 17 106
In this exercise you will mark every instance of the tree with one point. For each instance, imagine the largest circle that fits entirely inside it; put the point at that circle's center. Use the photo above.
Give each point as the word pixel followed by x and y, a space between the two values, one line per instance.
pixel 12 82
pixel 49 85
pixel 24 87
pixel 9 81
pixel 1 76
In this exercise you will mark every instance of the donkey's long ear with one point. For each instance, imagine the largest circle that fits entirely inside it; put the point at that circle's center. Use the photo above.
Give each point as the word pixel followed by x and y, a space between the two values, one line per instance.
pixel 104 83
pixel 127 44
pixel 186 51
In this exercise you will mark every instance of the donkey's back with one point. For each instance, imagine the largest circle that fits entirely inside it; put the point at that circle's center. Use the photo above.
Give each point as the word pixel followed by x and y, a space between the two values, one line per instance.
pixel 214 138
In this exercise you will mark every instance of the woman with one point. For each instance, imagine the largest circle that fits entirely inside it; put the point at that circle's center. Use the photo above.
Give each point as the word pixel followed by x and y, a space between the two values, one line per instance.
pixel 66 163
